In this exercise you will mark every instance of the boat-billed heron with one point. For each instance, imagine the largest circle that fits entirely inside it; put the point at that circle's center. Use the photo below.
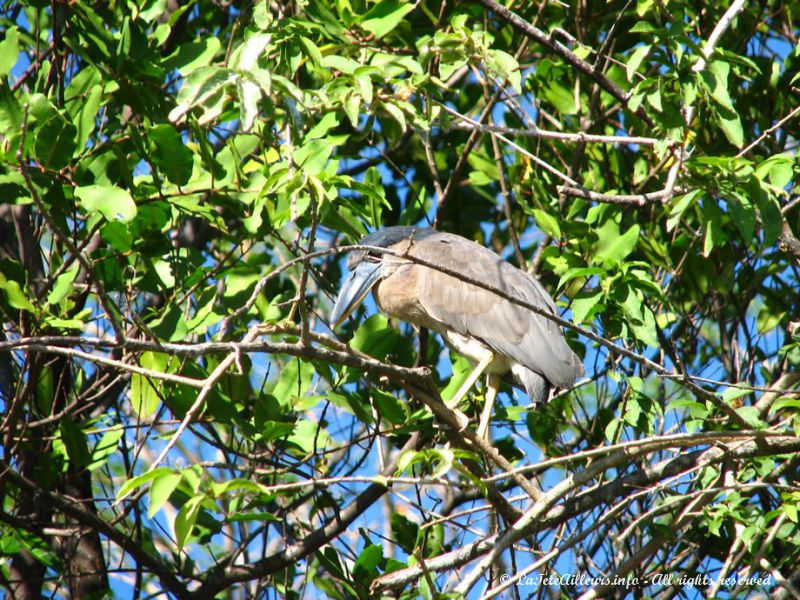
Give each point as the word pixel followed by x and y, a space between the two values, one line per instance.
pixel 498 337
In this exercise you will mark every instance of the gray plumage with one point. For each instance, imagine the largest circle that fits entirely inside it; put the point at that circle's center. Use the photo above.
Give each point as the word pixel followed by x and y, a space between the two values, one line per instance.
pixel 524 345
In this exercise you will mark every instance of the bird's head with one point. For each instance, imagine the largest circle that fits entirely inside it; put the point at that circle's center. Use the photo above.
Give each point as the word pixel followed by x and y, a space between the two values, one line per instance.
pixel 365 267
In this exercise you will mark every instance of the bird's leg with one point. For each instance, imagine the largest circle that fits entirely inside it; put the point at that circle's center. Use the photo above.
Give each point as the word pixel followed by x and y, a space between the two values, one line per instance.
pixel 473 377
pixel 492 386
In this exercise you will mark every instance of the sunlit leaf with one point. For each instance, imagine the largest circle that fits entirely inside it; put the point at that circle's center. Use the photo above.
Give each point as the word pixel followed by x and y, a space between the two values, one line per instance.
pixel 114 203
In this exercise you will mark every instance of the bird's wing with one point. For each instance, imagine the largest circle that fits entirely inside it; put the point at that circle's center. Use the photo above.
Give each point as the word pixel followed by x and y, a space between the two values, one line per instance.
pixel 507 328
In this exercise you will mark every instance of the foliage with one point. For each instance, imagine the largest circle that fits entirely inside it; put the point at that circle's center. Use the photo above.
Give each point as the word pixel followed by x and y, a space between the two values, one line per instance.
pixel 177 180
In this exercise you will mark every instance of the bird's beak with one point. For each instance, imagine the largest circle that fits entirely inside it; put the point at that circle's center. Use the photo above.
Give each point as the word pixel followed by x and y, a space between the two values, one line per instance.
pixel 356 287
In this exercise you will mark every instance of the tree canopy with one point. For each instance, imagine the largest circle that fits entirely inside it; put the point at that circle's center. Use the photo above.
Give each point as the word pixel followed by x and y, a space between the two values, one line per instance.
pixel 179 184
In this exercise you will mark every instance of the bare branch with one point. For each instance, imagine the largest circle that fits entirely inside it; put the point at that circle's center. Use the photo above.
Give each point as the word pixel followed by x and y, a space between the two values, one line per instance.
pixel 635 199
pixel 578 137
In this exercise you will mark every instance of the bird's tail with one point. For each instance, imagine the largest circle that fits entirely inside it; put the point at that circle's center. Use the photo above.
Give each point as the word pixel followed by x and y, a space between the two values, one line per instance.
pixel 536 386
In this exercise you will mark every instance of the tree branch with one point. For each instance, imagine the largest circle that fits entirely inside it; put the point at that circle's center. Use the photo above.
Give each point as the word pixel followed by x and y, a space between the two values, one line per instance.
pixel 218 579
pixel 570 57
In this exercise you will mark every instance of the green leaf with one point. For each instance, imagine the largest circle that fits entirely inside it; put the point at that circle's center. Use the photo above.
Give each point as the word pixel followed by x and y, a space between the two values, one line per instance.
pixel 396 113
pixel 171 325
pixel 613 427
pixel 645 330
pixel 731 126
pixel 547 223
pixel 576 272
pixel 366 565
pixel 732 393
pixel 715 78
pixel 583 304
pixel 190 56
pixel 562 99
pixel 106 447
pixel 64 323
pixel 751 416
pixel 160 491
pixel 461 370
pixel 145 398
pixel 263 517
pixel 638 316
pixel 779 169
pixel 352 104
pixel 364 85
pixel 203 87
pixel 295 379
pixel 55 142
pixel 87 117
pixel 637 56
pixel 619 247
pixel 169 153
pixel 10 111
pixel 404 532
pixel 390 408
pixel 312 50
pixel 697 410
pixel 744 215
pixel 643 27
pixel 314 154
pixel 786 402
pixel 771 218
pixel 145 394
pixel 679 206
pixel 309 436
pixel 790 510
pixel 9 50
pixel 63 285
pixel 75 442
pixel 407 459
pixel 238 485
pixel 376 338
pixel 643 7
pixel 249 103
pixel 328 121
pixel 17 298
pixel 340 63
pixel 654 99
pixel 713 235
pixel 769 318
pixel 114 203
pixel 186 519
pixel 385 16
pixel 508 67
pixel 247 55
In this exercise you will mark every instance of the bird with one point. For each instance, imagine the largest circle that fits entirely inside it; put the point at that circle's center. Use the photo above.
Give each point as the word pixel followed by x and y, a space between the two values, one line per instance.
pixel 497 337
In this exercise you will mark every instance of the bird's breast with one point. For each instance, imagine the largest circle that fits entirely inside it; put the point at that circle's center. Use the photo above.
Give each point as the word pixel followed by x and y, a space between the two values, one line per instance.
pixel 396 295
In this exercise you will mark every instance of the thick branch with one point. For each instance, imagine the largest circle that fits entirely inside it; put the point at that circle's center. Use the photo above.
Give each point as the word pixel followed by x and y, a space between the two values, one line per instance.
pixel 789 242
pixel 635 199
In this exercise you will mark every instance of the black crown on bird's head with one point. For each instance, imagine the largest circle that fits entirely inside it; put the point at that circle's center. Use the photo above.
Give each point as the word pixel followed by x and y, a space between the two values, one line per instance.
pixel 388 237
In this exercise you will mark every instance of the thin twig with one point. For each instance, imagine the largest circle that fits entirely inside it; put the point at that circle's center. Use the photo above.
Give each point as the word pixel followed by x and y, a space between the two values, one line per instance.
pixel 578 137
pixel 768 132
pixel 570 57
pixel 546 166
